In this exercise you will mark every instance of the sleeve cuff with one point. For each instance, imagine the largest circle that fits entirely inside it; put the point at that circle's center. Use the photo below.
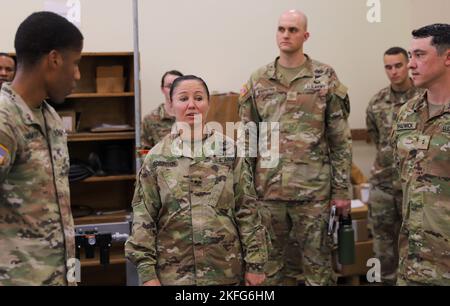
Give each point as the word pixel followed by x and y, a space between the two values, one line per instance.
pixel 256 268
pixel 342 195
pixel 146 273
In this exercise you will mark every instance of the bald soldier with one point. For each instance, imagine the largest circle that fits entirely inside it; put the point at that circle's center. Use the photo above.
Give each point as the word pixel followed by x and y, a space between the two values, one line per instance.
pixel 313 172
pixel 421 139
pixel 384 204
pixel 36 226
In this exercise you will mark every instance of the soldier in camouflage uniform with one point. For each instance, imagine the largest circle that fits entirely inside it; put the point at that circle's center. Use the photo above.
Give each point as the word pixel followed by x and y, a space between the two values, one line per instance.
pixel 195 214
pixel 159 122
pixel 421 139
pixel 385 206
pixel 311 106
pixel 36 225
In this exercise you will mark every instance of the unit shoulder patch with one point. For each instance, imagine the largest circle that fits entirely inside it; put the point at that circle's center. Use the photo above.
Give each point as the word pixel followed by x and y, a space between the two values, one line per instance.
pixel 4 153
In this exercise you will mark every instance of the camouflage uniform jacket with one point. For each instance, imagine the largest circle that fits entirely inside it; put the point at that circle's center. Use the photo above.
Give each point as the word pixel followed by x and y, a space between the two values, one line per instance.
pixel 36 225
pixel 380 117
pixel 155 126
pixel 422 154
pixel 195 219
pixel 315 140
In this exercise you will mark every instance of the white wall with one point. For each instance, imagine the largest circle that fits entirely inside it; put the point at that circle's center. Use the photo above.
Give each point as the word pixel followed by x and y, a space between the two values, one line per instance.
pixel 106 24
pixel 428 12
pixel 225 40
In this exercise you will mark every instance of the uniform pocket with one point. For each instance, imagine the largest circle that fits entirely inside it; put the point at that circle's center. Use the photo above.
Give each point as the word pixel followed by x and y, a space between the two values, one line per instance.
pixel 304 177
pixel 212 184
pixel 434 186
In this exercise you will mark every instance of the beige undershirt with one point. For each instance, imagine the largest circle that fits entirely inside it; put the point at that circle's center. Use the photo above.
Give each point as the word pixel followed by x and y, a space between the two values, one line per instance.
pixel 289 74
pixel 434 109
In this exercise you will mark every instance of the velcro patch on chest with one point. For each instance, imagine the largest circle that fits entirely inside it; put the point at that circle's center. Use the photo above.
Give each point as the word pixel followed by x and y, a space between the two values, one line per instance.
pixel 265 91
pixel 32 135
pixel 446 129
pixel 58 132
pixel 404 126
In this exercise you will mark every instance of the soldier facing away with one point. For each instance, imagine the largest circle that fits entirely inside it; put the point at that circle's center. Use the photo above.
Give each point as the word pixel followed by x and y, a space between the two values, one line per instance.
pixel 421 139
pixel 311 106
pixel 36 225
pixel 195 213
pixel 384 204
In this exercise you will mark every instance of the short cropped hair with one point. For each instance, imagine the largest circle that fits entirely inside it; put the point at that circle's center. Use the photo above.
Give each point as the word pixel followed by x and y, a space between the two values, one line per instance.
pixel 42 32
pixel 9 56
pixel 440 33
pixel 395 51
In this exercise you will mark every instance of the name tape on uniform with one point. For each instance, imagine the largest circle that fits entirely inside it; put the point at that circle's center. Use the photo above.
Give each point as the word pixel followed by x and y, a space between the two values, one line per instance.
pixel 406 126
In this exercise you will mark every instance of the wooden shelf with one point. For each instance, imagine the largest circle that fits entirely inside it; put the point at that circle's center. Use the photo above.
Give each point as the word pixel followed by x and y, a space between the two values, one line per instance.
pixel 111 178
pixel 109 218
pixel 76 137
pixel 96 54
pixel 100 95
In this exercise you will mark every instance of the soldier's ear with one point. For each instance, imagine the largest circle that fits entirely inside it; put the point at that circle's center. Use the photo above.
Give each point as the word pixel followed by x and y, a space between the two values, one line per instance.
pixel 306 35
pixel 54 59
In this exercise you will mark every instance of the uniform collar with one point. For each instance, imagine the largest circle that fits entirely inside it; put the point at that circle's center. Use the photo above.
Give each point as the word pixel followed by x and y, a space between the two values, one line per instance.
pixel 201 149
pixel 163 114
pixel 405 96
pixel 273 74
pixel 24 110
pixel 422 103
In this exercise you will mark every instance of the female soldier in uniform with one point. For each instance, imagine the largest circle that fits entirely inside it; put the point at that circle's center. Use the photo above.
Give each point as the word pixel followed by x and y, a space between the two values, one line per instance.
pixel 195 211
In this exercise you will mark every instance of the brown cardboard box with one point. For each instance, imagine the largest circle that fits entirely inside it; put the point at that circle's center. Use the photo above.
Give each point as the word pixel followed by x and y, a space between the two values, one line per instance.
pixel 360 212
pixel 363 252
pixel 223 109
pixel 361 230
pixel 110 85
pixel 110 79
pixel 109 71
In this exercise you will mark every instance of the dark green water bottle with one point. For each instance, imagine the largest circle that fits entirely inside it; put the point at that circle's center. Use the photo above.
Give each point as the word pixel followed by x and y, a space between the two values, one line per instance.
pixel 346 241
